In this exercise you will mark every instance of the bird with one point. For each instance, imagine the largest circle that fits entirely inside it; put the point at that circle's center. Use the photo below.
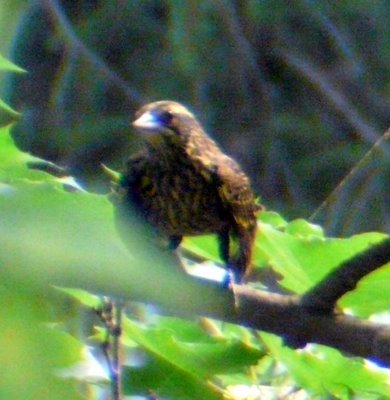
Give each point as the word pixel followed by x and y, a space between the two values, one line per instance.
pixel 182 184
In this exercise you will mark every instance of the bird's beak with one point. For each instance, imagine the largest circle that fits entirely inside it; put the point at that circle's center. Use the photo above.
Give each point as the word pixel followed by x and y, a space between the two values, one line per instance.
pixel 147 121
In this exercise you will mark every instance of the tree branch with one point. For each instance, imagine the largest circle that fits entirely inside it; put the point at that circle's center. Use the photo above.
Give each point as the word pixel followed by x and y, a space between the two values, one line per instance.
pixel 346 277
pixel 98 262
pixel 284 315
pixel 380 149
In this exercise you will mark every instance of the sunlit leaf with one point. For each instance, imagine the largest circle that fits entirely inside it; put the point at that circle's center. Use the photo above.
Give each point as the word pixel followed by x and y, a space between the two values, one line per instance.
pixel 326 371
pixel 6 65
pixel 304 229
pixel 371 295
pixel 303 261
pixel 34 351
pixel 82 296
pixel 7 114
pixel 13 162
pixel 188 355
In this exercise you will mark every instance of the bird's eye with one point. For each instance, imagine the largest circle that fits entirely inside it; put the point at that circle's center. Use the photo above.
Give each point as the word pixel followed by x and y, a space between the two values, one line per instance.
pixel 165 118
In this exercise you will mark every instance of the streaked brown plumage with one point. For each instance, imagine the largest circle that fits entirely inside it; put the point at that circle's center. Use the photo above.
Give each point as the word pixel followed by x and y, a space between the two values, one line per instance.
pixel 182 184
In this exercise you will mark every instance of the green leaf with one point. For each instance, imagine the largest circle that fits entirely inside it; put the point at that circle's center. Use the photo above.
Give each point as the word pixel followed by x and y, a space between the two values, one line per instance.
pixel 304 260
pixel 371 295
pixel 7 114
pixel 158 376
pixel 204 357
pixel 273 218
pixel 188 355
pixel 302 255
pixel 6 65
pixel 325 371
pixel 13 161
pixel 204 246
pixel 304 229
pixel 82 296
pixel 34 351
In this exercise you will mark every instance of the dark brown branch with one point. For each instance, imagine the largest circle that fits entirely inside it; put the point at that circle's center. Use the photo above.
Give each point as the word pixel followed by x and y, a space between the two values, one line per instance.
pixel 110 314
pixel 345 278
pixel 151 279
pixel 283 315
pixel 116 377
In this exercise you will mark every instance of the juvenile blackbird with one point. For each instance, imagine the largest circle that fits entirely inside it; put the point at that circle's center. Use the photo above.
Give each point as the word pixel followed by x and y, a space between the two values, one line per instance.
pixel 182 184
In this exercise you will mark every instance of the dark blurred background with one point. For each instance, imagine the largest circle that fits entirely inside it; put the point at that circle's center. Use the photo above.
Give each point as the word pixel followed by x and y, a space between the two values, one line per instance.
pixel 296 91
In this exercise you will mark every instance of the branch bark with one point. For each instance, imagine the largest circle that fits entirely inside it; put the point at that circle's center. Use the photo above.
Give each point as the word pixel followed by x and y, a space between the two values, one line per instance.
pixel 283 315
pixel 98 262
pixel 345 278
pixel 299 320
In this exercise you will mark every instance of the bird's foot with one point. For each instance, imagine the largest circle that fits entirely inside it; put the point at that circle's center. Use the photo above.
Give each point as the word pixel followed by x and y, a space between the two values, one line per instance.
pixel 231 278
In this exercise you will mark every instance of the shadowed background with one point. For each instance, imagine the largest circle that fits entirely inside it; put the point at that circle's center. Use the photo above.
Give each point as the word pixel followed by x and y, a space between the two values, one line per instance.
pixel 297 94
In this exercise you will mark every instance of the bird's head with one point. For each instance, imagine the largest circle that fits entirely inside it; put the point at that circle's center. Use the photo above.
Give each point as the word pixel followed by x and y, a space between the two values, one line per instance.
pixel 166 122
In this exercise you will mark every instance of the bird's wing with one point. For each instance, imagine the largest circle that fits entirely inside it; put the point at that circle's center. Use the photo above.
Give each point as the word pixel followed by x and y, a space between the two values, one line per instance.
pixel 235 193
pixel 238 199
pixel 232 184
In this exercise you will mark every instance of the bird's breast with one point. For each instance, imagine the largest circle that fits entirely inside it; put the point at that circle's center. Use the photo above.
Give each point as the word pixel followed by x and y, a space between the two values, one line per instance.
pixel 180 201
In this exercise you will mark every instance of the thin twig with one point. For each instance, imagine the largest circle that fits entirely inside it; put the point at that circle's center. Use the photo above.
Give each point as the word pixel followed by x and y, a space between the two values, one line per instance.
pixel 325 86
pixel 116 352
pixel 379 146
pixel 78 45
pixel 339 37
pixel 243 48
pixel 110 313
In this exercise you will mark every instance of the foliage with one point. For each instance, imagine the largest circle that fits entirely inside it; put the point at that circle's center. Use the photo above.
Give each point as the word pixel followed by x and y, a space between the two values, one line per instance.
pixel 7 114
pixel 45 230
pixel 59 244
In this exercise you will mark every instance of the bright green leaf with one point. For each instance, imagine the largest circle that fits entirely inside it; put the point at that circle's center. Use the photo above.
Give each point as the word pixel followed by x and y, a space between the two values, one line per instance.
pixel 204 246
pixel 34 351
pixel 325 371
pixel 304 261
pixel 6 65
pixel 7 114
pixel 158 376
pixel 272 218
pixel 304 229
pixel 204 357
pixel 82 296
pixel 371 295
pixel 188 355
pixel 13 161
